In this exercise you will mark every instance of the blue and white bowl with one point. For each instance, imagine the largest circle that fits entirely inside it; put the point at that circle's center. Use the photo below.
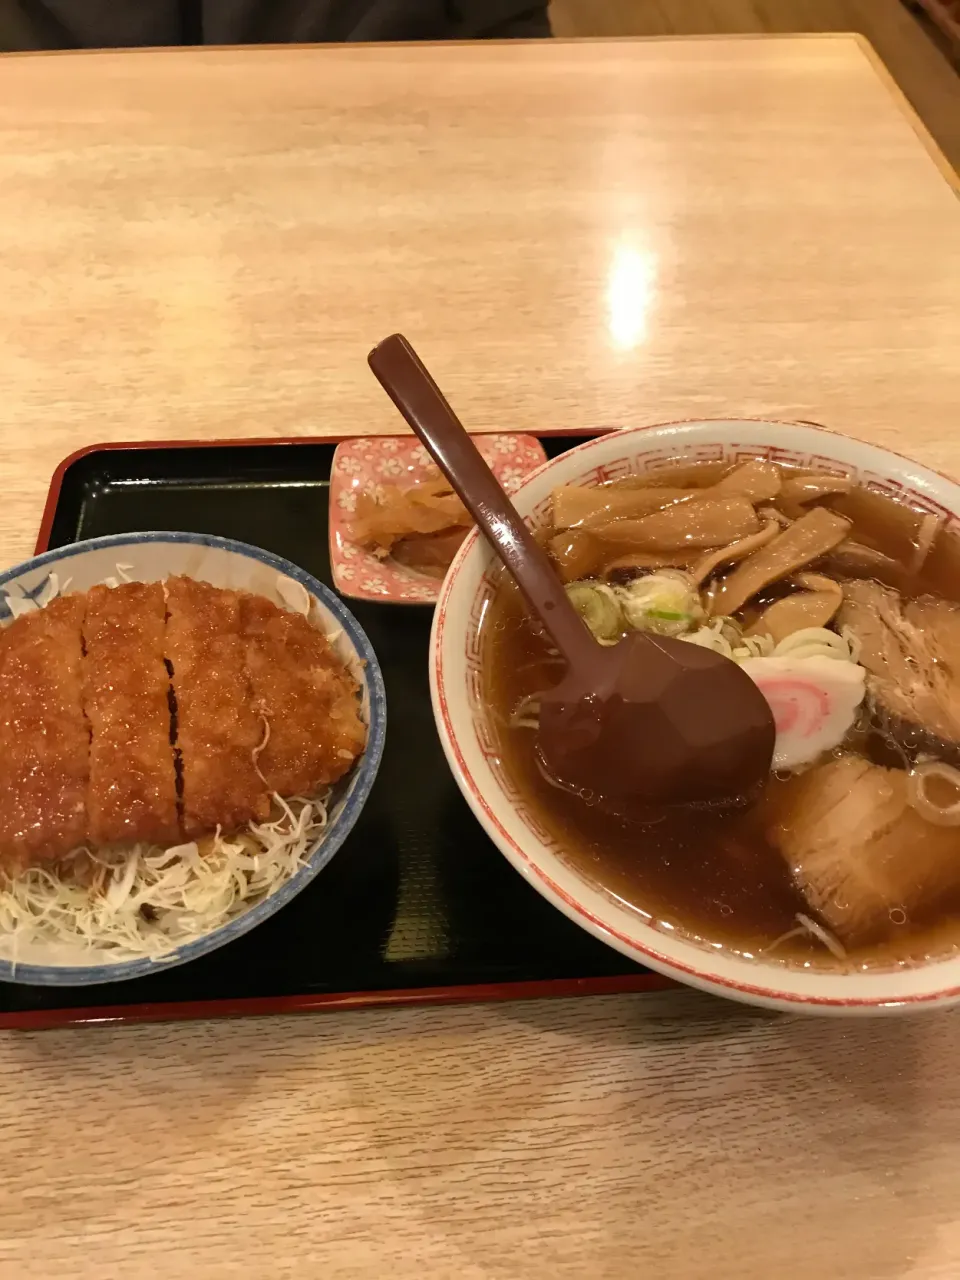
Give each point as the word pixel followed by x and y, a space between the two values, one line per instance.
pixel 150 557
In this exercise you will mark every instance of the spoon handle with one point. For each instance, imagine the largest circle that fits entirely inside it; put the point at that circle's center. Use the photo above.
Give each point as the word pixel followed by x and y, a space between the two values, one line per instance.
pixel 406 381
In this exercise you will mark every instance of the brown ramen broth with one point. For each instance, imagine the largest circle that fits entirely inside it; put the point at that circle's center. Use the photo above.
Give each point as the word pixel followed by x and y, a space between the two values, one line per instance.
pixel 823 871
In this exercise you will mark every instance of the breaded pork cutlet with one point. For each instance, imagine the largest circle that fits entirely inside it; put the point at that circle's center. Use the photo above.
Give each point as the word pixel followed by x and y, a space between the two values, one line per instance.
pixel 154 712
pixel 217 729
pixel 44 739
pixel 309 701
pixel 132 793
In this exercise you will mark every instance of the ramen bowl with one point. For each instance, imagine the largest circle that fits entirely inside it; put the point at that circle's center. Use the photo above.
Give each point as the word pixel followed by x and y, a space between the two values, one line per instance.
pixel 463 715
pixel 151 557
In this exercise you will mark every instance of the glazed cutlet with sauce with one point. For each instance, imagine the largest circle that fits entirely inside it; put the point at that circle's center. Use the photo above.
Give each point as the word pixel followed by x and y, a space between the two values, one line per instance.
pixel 44 739
pixel 132 793
pixel 217 728
pixel 158 712
pixel 302 691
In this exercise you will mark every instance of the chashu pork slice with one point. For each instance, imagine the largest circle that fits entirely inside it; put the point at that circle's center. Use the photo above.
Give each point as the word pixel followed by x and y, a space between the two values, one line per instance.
pixel 911 651
pixel 856 848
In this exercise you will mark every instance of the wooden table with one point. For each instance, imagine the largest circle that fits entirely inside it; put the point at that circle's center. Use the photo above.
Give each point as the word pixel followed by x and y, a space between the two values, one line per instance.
pixel 205 244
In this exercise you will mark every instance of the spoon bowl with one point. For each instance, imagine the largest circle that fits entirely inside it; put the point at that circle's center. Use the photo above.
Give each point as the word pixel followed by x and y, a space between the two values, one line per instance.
pixel 656 721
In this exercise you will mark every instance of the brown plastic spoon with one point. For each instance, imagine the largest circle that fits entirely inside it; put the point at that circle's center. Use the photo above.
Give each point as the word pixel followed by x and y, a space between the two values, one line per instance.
pixel 649 720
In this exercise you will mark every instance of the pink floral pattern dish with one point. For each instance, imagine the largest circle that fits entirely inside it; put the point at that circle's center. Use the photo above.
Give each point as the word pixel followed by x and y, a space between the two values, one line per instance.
pixel 365 463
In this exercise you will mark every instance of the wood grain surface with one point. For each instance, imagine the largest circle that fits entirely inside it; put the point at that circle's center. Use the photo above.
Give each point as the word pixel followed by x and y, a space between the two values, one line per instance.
pixel 205 244
pixel 610 1139
pixel 906 42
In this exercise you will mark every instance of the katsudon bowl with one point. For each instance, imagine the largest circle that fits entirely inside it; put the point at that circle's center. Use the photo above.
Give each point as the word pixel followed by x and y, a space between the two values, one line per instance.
pixel 671 922
pixel 85 956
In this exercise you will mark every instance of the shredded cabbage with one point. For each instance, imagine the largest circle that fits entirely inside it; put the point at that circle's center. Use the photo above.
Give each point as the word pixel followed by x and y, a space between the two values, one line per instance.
pixel 142 900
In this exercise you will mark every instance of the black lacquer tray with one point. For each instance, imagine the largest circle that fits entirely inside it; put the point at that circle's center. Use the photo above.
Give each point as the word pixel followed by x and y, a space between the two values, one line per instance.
pixel 418 906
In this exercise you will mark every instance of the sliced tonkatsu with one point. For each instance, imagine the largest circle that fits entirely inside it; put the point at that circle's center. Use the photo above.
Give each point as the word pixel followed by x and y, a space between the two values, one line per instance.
pixel 132 793
pixel 44 738
pixel 155 713
pixel 304 694
pixel 217 728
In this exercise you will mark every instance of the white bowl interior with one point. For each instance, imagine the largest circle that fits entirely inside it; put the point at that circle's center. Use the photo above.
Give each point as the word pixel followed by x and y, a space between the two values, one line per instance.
pixel 462 715
pixel 151 558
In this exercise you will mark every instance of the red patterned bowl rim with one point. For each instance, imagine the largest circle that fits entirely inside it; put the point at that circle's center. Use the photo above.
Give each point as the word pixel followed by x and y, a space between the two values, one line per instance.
pixel 540 878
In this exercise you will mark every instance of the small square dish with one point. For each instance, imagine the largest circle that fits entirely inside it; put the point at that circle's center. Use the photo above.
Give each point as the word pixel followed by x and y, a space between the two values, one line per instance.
pixel 378 465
